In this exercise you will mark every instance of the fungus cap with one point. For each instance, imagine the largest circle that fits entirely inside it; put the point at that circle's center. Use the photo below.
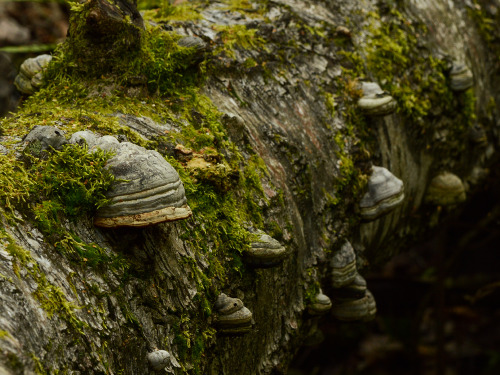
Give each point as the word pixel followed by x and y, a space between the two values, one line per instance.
pixel 147 189
pixel 461 77
pixel 31 73
pixel 385 192
pixel 445 189
pixel 265 252
pixel 48 136
pixel 343 264
pixel 363 308
pixel 375 101
pixel 320 304
pixel 158 359
pixel 232 316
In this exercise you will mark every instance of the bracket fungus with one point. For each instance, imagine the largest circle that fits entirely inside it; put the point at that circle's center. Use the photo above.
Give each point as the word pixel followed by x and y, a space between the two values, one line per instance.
pixel 233 317
pixel 320 304
pixel 445 189
pixel 478 136
pixel 375 101
pixel 354 290
pixel 30 74
pixel 147 189
pixel 385 192
pixel 158 359
pixel 343 265
pixel 265 252
pixel 461 77
pixel 363 308
pixel 46 137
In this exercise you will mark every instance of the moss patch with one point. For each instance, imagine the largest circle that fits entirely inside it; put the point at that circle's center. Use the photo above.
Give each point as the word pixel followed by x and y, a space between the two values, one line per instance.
pixel 51 298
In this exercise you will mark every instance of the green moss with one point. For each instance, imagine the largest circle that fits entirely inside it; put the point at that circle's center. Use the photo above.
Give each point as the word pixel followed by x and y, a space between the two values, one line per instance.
pixel 415 79
pixel 15 183
pixel 191 347
pixel 4 334
pixel 68 184
pixel 39 368
pixel 330 103
pixel 313 286
pixel 74 179
pixel 485 24
pixel 237 36
pixel 51 298
pixel 162 10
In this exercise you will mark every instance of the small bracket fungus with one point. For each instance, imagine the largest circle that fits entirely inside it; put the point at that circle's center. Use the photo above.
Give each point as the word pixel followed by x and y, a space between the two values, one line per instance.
pixel 375 101
pixel 147 189
pixel 320 304
pixel 445 189
pixel 355 309
pixel 343 265
pixel 265 252
pixel 385 192
pixel 158 359
pixel 478 136
pixel 461 77
pixel 30 74
pixel 233 317
pixel 46 137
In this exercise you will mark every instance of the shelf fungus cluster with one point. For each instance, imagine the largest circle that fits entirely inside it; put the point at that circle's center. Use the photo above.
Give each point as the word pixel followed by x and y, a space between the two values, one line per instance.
pixel 445 189
pixel 351 298
pixel 375 101
pixel 233 318
pixel 31 72
pixel 461 77
pixel 147 189
pixel 265 252
pixel 158 359
pixel 385 192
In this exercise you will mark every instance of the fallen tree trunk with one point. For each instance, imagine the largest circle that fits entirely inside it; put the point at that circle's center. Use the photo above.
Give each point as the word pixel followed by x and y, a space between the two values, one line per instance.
pixel 261 117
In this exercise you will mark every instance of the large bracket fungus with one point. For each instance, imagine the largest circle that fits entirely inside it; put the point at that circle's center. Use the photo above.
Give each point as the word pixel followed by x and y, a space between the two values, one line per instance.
pixel 385 192
pixel 147 189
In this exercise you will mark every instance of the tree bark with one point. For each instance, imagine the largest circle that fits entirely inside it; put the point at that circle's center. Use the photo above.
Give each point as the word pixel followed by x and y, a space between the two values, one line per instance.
pixel 290 98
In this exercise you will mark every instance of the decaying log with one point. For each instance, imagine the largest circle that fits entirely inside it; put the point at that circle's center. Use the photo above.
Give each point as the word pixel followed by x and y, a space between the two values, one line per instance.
pixel 285 77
